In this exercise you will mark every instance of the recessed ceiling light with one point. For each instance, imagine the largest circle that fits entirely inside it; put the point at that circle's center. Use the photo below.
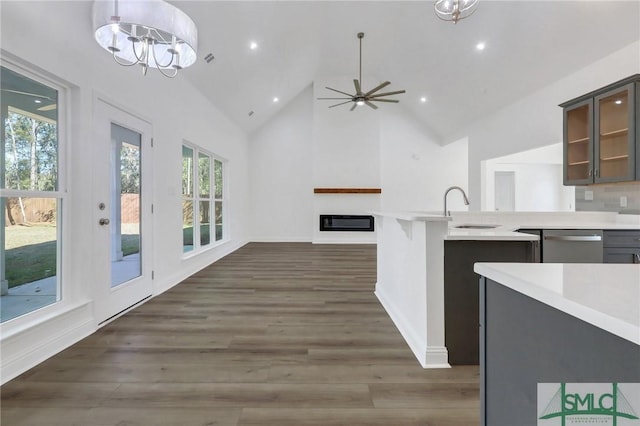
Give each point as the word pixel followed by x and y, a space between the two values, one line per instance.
pixel 481 45
pixel 423 99
pixel 618 101
pixel 275 99
pixel 253 45
pixel 38 101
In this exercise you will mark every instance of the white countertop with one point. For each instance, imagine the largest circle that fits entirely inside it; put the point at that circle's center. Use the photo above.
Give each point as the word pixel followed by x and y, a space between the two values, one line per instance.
pixel 415 216
pixel 604 295
pixel 506 223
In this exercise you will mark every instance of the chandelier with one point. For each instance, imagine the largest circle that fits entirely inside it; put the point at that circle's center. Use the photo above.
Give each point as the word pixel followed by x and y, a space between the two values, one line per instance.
pixel 150 33
pixel 455 10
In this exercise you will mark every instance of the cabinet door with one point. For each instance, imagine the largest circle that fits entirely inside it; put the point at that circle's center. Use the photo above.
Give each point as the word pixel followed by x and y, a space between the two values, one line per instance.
pixel 615 135
pixel 621 255
pixel 578 143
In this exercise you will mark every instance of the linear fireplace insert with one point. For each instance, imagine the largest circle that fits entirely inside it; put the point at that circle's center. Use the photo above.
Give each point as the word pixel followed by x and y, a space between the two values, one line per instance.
pixel 343 222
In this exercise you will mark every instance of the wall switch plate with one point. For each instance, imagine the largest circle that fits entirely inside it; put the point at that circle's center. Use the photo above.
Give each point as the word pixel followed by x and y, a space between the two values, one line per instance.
pixel 623 201
pixel 588 195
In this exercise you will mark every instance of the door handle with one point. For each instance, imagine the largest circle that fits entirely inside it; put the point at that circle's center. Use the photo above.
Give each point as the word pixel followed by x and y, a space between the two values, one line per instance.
pixel 573 238
pixel 103 221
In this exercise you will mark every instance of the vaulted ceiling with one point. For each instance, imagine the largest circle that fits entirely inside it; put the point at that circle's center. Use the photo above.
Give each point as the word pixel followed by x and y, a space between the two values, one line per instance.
pixel 529 44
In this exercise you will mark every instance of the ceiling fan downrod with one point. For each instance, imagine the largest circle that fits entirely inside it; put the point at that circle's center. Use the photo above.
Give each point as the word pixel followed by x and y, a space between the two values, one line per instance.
pixel 361 97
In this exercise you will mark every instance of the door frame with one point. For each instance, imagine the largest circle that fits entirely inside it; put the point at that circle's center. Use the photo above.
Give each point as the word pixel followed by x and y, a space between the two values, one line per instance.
pixel 111 302
pixel 512 179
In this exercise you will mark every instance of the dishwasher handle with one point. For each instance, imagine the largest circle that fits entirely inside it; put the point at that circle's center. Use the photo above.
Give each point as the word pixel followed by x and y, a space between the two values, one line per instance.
pixel 573 238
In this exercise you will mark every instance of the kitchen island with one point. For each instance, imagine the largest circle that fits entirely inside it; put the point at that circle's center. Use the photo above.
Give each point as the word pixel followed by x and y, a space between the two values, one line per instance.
pixel 411 248
pixel 554 323
pixel 410 282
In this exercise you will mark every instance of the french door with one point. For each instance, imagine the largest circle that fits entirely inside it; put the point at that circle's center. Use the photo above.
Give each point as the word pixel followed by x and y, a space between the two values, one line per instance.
pixel 122 208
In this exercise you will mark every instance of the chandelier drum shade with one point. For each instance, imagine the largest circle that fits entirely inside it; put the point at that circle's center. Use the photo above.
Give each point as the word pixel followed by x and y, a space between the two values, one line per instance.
pixel 151 33
pixel 455 10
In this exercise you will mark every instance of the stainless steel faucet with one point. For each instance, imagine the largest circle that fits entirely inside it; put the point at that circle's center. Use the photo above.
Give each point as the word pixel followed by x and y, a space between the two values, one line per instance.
pixel 466 200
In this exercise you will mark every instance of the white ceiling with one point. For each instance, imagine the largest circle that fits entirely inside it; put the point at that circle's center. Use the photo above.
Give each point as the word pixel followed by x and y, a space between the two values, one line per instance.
pixel 530 44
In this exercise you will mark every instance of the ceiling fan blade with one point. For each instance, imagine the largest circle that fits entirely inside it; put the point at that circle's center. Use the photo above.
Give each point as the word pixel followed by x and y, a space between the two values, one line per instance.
pixel 397 92
pixel 344 93
pixel 378 87
pixel 48 107
pixel 395 101
pixel 355 104
pixel 342 103
pixel 356 83
pixel 330 98
pixel 371 105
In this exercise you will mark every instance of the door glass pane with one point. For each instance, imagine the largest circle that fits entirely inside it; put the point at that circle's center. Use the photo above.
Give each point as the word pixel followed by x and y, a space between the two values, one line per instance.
pixel 578 147
pixel 205 220
pixel 125 221
pixel 614 135
pixel 30 248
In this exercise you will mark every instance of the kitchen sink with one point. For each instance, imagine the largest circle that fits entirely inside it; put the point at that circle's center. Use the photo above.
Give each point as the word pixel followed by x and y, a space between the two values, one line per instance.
pixel 476 226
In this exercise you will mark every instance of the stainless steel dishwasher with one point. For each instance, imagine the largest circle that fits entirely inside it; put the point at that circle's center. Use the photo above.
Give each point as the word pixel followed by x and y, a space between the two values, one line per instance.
pixel 572 246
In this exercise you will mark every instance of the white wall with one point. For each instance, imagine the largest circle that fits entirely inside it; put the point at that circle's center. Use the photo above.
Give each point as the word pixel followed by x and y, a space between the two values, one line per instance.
pixel 309 145
pixel 281 174
pixel 346 154
pixel 536 120
pixel 176 111
pixel 416 171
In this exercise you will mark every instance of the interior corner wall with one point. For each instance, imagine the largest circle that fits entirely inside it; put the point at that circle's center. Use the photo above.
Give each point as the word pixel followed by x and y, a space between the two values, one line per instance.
pixel 536 120
pixel 176 110
pixel 280 174
pixel 416 170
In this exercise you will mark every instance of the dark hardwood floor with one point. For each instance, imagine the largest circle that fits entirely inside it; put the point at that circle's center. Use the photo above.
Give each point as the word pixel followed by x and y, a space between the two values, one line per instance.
pixel 273 334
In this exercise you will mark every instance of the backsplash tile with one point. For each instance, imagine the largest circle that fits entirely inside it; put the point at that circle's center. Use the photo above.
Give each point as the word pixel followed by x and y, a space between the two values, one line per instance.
pixel 606 197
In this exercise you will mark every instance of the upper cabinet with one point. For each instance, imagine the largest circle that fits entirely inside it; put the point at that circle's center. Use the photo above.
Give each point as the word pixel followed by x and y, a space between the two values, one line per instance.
pixel 601 135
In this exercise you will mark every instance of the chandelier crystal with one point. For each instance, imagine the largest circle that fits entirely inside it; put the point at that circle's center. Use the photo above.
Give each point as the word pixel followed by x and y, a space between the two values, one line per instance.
pixel 455 10
pixel 150 33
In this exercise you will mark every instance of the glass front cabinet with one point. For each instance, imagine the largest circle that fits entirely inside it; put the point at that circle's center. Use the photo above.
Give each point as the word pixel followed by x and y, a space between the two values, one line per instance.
pixel 601 136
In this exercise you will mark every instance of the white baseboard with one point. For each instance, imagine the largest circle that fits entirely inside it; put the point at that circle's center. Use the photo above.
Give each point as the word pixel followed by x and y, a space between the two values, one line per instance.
pixel 25 349
pixel 427 356
pixel 281 240
pixel 198 264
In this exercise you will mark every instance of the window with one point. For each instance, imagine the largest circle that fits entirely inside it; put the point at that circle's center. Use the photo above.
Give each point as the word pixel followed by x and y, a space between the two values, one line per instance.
pixel 202 199
pixel 31 198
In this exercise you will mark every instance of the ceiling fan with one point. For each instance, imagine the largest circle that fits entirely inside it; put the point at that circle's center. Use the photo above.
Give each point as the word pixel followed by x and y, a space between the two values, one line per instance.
pixel 360 97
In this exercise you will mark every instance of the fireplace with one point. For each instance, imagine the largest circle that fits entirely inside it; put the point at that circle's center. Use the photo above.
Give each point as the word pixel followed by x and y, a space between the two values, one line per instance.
pixel 342 222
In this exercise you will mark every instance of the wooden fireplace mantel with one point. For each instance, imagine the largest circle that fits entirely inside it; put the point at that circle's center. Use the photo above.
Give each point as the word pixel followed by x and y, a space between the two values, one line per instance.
pixel 347 190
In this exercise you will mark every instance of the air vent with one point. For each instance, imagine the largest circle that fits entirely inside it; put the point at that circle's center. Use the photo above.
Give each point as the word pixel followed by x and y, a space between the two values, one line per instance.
pixel 209 57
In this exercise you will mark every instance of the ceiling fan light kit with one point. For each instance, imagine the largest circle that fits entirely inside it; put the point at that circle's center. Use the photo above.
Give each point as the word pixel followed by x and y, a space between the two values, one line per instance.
pixel 363 98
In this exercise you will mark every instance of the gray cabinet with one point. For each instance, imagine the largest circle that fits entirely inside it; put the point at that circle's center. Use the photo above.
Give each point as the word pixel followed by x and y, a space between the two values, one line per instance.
pixel 525 342
pixel 461 290
pixel 621 247
pixel 601 135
